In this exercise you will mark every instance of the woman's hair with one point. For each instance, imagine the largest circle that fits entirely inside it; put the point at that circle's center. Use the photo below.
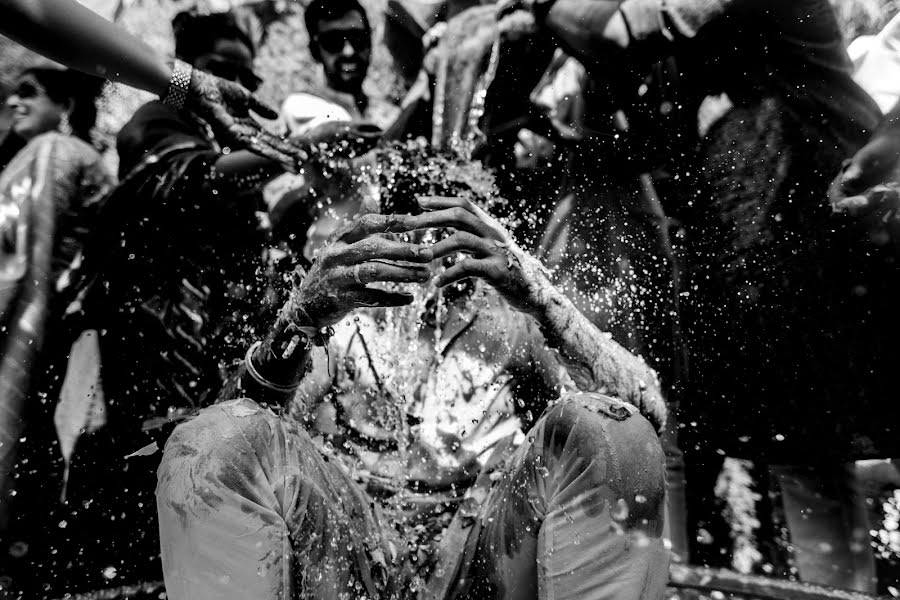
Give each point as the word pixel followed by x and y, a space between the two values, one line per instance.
pixel 66 86
pixel 197 33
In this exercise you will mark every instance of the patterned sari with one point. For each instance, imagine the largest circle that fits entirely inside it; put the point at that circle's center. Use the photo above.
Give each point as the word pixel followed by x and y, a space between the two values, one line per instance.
pixel 48 194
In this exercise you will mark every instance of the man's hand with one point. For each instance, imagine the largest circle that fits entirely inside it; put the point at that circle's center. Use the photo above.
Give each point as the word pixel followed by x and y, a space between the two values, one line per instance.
pixel 226 106
pixel 493 255
pixel 356 255
pixel 345 138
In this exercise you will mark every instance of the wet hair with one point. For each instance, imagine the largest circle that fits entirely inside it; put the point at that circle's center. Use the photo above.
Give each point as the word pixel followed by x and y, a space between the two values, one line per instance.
pixel 65 86
pixel 329 10
pixel 406 170
pixel 196 34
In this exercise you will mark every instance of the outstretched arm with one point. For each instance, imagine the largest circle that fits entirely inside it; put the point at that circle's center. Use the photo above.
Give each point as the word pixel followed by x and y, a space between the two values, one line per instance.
pixel 593 360
pixel 612 30
pixel 73 35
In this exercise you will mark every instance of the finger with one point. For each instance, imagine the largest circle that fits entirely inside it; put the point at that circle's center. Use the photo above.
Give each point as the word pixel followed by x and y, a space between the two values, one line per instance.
pixel 298 152
pixel 375 247
pixel 490 269
pixel 372 297
pixel 463 241
pixel 373 224
pixel 261 108
pixel 372 271
pixel 248 134
pixel 439 202
pixel 455 218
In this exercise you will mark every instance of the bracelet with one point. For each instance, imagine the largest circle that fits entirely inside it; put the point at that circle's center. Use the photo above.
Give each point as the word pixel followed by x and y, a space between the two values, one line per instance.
pixel 254 373
pixel 179 85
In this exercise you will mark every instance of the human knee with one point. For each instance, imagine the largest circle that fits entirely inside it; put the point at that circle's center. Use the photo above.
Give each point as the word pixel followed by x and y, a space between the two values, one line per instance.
pixel 610 437
pixel 589 422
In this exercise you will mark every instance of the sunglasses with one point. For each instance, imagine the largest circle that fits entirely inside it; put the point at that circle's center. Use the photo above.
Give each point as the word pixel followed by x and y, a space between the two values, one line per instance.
pixel 27 91
pixel 333 41
pixel 233 72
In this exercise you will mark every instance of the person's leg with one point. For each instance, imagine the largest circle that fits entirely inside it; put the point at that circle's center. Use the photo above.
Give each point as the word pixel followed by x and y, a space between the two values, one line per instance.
pixel 579 511
pixel 249 509
pixel 826 518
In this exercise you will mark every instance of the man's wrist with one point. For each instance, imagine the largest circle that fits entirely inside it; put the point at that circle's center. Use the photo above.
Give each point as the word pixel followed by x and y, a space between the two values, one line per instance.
pixel 535 286
pixel 257 356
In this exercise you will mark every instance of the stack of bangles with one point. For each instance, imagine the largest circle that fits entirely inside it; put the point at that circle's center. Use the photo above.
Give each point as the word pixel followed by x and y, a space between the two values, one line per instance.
pixel 258 378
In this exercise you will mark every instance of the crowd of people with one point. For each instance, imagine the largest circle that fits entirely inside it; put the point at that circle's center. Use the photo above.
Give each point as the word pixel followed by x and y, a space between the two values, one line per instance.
pixel 344 359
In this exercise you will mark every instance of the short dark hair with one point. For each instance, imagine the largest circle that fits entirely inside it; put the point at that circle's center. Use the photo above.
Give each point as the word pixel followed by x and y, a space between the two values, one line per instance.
pixel 196 34
pixel 326 10
pixel 67 85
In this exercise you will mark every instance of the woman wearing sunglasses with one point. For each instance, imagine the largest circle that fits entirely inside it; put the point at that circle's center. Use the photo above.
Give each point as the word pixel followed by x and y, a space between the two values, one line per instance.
pixel 51 185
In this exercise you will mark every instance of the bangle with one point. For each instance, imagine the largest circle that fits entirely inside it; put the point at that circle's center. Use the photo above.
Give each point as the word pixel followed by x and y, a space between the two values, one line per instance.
pixel 254 373
pixel 179 85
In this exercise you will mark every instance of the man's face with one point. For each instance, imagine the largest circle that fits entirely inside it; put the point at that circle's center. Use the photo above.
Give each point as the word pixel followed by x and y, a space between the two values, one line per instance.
pixel 345 47
pixel 232 60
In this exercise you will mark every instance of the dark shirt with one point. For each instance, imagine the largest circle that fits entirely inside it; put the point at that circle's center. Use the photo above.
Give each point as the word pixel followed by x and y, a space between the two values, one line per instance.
pixel 188 270
pixel 759 48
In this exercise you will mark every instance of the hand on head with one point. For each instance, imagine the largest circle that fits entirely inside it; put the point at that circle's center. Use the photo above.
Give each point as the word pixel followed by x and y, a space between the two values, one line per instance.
pixel 367 251
pixel 356 255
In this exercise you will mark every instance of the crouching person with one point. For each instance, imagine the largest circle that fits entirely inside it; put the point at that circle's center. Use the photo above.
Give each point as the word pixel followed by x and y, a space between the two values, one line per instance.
pixel 463 430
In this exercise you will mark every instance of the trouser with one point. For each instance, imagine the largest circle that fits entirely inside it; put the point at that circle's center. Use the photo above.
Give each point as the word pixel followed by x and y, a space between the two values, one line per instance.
pixel 249 507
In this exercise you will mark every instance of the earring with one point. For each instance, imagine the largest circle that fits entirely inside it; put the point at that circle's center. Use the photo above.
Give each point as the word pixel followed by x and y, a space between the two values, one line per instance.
pixel 65 127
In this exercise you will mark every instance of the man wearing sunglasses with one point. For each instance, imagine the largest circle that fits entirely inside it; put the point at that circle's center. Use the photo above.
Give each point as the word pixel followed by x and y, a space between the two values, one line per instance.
pixel 340 39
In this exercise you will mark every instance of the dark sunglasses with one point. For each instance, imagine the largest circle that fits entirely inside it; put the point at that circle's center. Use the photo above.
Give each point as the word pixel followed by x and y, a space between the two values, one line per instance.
pixel 26 91
pixel 333 41
pixel 233 72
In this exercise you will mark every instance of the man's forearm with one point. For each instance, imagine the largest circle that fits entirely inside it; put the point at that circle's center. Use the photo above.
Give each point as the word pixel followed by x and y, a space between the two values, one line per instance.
pixel 594 361
pixel 280 358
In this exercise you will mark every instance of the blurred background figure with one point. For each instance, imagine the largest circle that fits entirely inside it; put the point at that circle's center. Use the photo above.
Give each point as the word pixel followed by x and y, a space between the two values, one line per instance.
pixel 51 190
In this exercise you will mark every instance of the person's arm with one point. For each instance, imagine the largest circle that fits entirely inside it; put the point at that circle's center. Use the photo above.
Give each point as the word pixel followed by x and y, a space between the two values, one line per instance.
pixel 613 30
pixel 337 284
pixel 75 36
pixel 245 169
pixel 592 359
